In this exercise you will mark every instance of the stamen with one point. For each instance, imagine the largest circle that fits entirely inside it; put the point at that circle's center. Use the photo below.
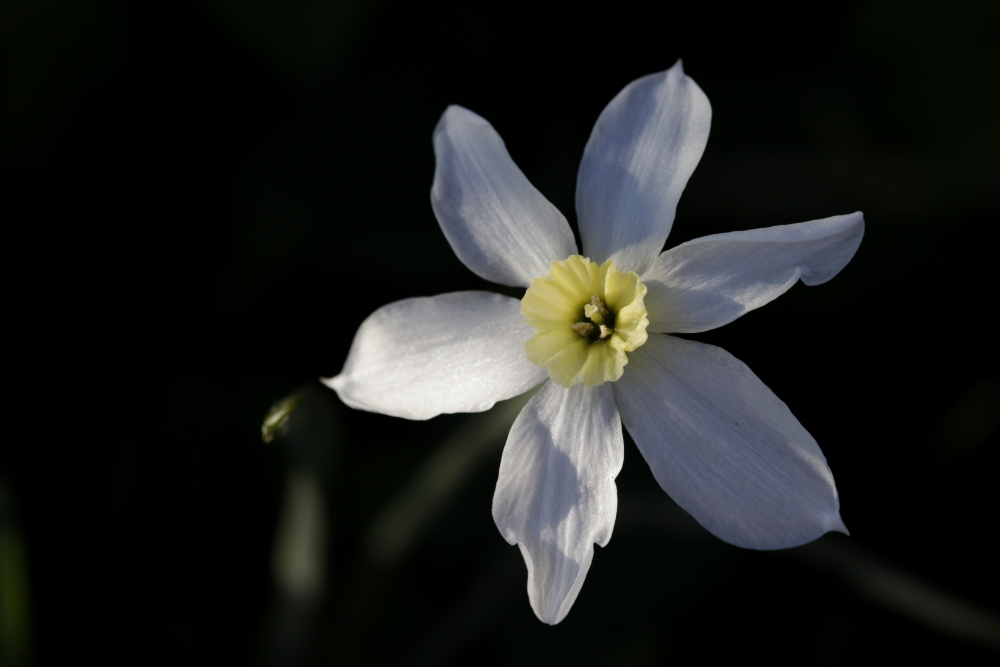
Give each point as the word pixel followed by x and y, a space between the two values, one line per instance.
pixel 595 310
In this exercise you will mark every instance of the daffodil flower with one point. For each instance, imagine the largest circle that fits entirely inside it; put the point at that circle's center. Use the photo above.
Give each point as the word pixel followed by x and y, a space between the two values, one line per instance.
pixel 594 329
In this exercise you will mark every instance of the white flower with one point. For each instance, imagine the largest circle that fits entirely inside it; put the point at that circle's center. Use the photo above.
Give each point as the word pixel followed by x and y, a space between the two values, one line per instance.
pixel 718 441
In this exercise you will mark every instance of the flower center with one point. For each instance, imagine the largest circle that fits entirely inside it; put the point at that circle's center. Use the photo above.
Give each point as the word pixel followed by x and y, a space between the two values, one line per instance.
pixel 586 317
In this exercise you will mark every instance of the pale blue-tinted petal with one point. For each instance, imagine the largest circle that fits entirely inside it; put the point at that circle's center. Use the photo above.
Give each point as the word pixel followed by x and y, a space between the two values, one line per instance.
pixel 458 352
pixel 725 447
pixel 640 155
pixel 498 224
pixel 556 495
pixel 708 282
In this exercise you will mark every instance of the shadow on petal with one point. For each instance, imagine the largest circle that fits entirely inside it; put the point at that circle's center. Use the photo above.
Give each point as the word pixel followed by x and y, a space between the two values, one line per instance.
pixel 556 494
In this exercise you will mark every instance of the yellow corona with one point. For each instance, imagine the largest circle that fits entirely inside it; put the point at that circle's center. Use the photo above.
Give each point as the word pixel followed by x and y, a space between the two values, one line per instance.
pixel 586 317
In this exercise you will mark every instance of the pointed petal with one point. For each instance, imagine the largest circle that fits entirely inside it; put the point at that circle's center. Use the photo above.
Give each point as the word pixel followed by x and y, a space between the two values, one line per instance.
pixel 556 493
pixel 418 358
pixel 708 282
pixel 640 155
pixel 725 447
pixel 498 224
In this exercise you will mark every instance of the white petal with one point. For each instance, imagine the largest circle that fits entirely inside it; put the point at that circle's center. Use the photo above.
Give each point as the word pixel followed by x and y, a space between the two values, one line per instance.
pixel 725 447
pixel 458 352
pixel 556 494
pixel 708 282
pixel 498 224
pixel 640 155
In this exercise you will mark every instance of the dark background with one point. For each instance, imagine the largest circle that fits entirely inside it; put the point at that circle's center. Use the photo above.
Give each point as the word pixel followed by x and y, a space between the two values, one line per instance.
pixel 202 201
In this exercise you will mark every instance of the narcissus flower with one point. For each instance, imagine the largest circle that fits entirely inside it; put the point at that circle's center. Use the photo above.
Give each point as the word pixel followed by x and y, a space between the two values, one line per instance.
pixel 594 330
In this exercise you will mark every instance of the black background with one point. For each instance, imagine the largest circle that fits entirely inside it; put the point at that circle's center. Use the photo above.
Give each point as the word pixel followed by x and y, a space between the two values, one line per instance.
pixel 202 201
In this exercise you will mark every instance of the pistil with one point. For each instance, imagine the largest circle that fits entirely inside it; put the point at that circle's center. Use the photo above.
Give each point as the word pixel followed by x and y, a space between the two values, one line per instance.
pixel 598 322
